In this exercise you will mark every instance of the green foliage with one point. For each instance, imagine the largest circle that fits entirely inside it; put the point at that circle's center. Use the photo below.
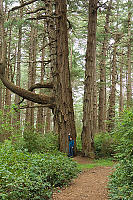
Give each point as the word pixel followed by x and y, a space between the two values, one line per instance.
pixel 121 182
pixel 28 176
pixel 77 71
pixel 26 137
pixel 104 145
pixel 36 142
pixel 6 127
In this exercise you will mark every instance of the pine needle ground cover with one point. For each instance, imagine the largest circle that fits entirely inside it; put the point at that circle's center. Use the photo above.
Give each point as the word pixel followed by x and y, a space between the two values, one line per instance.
pixel 27 176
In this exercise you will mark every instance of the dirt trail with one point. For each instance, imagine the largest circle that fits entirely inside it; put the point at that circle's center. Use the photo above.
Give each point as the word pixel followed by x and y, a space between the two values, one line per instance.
pixel 91 184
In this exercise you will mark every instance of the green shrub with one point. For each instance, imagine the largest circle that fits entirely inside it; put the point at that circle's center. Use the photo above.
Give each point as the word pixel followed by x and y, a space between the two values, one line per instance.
pixel 36 142
pixel 29 176
pixel 26 137
pixel 6 127
pixel 121 182
pixel 104 145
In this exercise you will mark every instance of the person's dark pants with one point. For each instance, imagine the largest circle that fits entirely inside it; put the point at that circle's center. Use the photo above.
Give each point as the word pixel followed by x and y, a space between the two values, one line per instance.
pixel 70 152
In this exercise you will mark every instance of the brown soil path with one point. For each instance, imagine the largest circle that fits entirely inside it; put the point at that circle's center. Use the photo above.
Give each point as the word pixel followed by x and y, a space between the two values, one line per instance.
pixel 91 184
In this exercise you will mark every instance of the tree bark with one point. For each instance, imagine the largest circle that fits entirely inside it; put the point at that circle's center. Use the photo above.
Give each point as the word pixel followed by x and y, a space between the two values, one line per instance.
pixel 48 121
pixel 88 129
pixel 121 106
pixel 41 111
pixel 31 72
pixel 95 124
pixel 64 112
pixel 51 29
pixel 8 72
pixel 18 73
pixel 112 97
pixel 102 89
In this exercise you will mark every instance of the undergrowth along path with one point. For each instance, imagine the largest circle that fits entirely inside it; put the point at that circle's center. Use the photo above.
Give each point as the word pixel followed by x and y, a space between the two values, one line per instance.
pixel 91 184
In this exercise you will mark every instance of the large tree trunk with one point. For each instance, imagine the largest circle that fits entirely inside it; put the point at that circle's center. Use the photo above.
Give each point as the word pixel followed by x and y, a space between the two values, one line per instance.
pixel 64 112
pixel 102 89
pixel 88 129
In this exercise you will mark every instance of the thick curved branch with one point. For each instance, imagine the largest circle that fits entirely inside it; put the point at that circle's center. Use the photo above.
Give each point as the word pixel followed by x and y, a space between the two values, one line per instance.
pixel 39 85
pixel 36 86
pixel 36 98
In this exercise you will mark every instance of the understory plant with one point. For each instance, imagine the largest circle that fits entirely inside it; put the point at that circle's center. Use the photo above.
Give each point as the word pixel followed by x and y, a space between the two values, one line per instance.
pixel 121 181
pixel 27 176
pixel 104 145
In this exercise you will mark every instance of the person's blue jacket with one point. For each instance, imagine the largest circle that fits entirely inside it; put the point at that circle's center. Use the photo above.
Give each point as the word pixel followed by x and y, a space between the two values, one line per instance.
pixel 71 146
pixel 71 142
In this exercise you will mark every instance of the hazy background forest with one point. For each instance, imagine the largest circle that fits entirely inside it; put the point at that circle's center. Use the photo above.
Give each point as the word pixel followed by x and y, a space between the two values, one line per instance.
pixel 86 96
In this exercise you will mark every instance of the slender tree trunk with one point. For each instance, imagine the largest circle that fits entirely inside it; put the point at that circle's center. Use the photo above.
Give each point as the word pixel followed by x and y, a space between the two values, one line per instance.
pixel 88 129
pixel 48 121
pixel 121 86
pixel 8 72
pixel 32 72
pixel 48 112
pixel 95 124
pixel 40 120
pixel 40 112
pixel 102 89
pixel 112 97
pixel 52 48
pixel 18 73
pixel 129 89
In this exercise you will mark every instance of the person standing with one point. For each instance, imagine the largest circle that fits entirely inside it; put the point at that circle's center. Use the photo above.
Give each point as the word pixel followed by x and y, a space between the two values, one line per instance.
pixel 71 146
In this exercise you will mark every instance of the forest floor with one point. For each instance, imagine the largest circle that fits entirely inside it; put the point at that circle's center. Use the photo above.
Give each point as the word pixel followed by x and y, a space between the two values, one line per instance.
pixel 91 184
